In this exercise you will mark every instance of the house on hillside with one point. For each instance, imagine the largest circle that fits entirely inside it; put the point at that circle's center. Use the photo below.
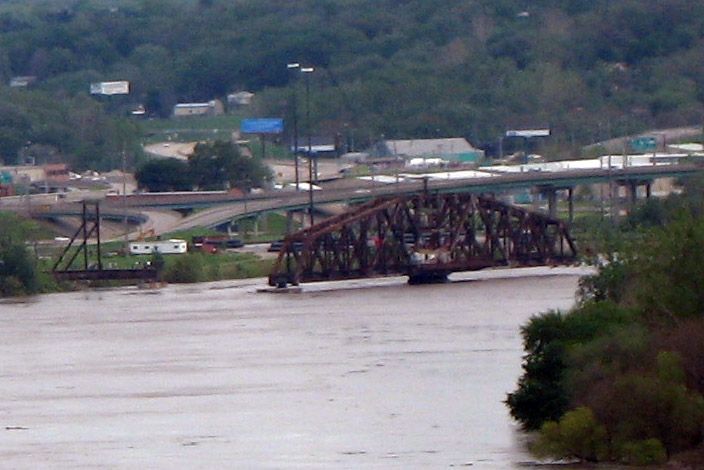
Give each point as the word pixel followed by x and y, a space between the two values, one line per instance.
pixel 22 81
pixel 239 99
pixel 450 149
pixel 211 108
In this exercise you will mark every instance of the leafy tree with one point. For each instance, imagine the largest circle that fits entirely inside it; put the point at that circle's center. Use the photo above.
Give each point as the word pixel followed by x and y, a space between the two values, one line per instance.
pixel 548 339
pixel 220 165
pixel 167 174
pixel 669 270
pixel 18 270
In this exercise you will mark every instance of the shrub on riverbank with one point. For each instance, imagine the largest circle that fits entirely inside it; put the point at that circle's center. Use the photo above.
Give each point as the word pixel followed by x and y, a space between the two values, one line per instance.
pixel 185 269
pixel 18 269
pixel 198 267
pixel 621 376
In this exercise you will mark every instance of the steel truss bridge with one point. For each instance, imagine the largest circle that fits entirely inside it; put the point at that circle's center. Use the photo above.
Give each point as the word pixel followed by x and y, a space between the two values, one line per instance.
pixel 425 236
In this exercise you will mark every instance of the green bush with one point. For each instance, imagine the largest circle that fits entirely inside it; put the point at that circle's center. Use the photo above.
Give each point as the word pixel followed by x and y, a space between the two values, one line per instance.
pixel 669 270
pixel 591 363
pixel 644 452
pixel 18 271
pixel 577 435
pixel 185 269
pixel 608 284
pixel 638 407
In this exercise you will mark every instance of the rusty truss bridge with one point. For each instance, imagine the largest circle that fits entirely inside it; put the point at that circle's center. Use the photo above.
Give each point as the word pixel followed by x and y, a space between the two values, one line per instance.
pixel 424 236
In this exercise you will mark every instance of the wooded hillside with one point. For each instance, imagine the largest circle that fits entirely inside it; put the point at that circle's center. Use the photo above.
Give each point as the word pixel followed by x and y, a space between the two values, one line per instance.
pixel 589 69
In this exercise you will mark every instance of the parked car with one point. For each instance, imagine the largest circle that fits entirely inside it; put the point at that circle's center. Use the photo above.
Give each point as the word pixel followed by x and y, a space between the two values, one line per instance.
pixel 212 244
pixel 234 243
pixel 276 246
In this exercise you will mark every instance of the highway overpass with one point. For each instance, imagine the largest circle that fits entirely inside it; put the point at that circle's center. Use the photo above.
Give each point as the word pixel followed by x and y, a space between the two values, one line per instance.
pixel 218 208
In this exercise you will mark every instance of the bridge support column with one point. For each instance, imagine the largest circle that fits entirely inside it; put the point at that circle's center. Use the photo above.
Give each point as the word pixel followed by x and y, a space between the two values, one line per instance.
pixel 551 194
pixel 570 201
pixel 632 189
pixel 648 190
pixel 289 222
pixel 427 277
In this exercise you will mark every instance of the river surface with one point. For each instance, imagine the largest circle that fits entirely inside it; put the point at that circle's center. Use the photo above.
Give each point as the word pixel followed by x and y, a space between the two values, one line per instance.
pixel 363 374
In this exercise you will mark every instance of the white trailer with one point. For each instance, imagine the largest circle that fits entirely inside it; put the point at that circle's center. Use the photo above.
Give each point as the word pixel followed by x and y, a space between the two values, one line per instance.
pixel 172 246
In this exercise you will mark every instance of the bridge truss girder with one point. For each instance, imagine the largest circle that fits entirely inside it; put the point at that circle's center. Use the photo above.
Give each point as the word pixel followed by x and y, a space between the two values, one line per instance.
pixel 425 236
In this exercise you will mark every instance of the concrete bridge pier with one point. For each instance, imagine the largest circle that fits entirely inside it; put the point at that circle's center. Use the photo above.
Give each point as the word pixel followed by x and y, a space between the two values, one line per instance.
pixel 632 186
pixel 550 193
pixel 289 222
pixel 552 202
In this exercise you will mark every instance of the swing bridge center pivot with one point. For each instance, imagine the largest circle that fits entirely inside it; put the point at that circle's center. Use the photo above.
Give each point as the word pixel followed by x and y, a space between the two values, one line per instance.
pixel 423 236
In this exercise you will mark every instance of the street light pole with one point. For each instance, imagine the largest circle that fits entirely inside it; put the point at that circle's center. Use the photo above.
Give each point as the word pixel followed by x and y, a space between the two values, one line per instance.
pixel 294 102
pixel 307 71
pixel 124 199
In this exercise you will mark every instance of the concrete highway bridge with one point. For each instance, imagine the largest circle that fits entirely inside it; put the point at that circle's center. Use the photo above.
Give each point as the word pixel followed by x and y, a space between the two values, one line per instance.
pixel 216 209
pixel 223 211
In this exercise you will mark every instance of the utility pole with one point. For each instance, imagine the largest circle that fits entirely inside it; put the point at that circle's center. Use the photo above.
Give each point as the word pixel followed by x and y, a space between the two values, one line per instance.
pixel 307 71
pixel 294 105
pixel 124 199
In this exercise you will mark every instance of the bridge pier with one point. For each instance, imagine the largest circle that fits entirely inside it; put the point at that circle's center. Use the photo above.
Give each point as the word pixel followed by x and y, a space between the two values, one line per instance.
pixel 417 277
pixel 631 186
pixel 550 192
pixel 289 222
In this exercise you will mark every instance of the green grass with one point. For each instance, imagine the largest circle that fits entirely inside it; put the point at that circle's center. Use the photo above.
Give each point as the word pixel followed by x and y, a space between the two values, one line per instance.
pixel 227 265
pixel 271 227
pixel 225 121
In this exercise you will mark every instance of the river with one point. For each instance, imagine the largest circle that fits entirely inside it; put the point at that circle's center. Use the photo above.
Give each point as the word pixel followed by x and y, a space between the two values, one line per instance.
pixel 363 374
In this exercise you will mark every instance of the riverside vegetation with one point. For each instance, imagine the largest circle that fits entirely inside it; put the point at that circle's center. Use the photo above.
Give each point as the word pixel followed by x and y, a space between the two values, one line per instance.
pixel 620 377
pixel 23 273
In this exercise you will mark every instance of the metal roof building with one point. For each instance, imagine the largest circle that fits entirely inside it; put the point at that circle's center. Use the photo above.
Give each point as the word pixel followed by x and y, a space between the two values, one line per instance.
pixel 455 149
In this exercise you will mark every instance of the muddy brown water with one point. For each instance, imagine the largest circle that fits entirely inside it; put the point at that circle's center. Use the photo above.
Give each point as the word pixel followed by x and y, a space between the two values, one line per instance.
pixel 363 374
